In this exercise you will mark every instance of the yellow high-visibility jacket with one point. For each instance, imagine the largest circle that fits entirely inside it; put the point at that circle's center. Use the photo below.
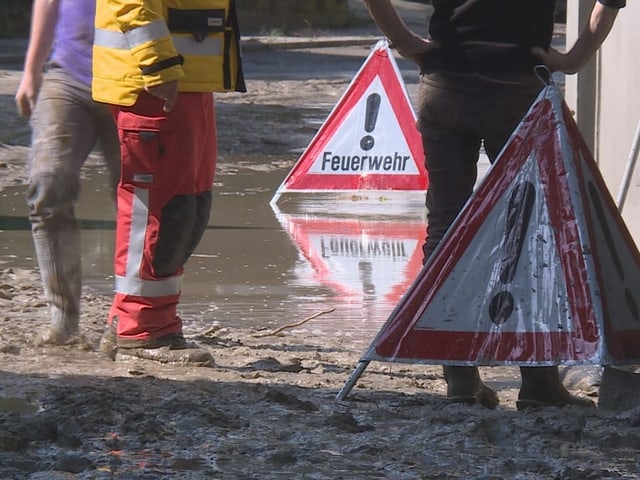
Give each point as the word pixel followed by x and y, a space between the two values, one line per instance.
pixel 141 43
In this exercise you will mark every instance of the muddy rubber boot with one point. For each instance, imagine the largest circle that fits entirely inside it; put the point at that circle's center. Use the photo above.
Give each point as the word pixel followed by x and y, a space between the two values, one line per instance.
pixel 58 254
pixel 464 385
pixel 541 387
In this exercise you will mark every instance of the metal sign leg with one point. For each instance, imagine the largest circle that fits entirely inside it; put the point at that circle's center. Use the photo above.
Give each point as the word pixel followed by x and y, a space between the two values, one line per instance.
pixel 631 163
pixel 362 365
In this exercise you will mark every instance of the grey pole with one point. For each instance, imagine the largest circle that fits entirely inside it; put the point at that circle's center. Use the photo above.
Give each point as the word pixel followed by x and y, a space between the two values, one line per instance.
pixel 342 394
pixel 631 163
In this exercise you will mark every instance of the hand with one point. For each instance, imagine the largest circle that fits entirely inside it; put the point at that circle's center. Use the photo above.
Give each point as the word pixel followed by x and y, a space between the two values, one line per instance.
pixel 165 91
pixel 27 94
pixel 585 46
pixel 556 61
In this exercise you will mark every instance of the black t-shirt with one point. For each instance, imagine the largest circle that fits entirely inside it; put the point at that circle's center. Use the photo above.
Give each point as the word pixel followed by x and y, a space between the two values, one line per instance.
pixel 490 36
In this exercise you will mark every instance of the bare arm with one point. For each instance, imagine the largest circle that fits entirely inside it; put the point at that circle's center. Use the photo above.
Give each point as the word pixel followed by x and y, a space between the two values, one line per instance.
pixel 590 38
pixel 44 18
pixel 386 17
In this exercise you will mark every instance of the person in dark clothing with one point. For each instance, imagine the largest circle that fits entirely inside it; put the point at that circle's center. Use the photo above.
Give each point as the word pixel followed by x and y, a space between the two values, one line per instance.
pixel 477 83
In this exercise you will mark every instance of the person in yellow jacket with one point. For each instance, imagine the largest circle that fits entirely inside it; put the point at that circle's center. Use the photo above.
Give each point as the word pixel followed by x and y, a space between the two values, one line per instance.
pixel 157 62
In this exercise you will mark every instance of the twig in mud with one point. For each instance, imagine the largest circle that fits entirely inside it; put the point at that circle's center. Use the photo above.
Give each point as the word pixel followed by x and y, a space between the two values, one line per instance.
pixel 292 325
pixel 211 330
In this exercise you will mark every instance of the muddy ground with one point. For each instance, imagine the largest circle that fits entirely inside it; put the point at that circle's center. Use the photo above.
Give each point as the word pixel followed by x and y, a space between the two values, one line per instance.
pixel 268 409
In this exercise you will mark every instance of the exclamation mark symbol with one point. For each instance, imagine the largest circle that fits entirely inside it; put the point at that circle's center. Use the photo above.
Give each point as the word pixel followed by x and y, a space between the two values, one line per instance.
pixel 365 270
pixel 518 217
pixel 371 117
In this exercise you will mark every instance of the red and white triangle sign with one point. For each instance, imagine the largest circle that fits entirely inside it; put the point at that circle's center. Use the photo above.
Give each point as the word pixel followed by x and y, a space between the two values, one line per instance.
pixel 369 141
pixel 538 269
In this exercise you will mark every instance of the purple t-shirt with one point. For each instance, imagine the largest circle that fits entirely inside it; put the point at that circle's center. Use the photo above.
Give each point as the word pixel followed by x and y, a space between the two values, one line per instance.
pixel 73 43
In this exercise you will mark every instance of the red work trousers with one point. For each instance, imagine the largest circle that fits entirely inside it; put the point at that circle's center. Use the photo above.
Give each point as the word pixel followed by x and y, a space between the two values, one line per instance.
pixel 168 166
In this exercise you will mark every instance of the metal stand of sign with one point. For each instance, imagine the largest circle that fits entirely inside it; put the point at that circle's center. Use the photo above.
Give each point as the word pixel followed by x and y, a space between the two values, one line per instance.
pixel 631 163
pixel 342 394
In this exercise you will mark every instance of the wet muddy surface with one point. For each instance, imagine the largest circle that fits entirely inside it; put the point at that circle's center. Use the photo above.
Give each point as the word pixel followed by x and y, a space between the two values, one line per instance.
pixel 249 270
pixel 267 410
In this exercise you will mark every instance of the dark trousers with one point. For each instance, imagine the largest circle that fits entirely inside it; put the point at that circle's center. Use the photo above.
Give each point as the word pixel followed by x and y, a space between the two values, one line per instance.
pixel 457 112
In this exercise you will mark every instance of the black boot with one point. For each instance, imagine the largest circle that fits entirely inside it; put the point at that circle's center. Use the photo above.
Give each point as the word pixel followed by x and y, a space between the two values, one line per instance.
pixel 541 387
pixel 465 386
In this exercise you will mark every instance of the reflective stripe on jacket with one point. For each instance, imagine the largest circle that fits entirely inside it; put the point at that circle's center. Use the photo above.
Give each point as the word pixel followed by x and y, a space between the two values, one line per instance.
pixel 142 43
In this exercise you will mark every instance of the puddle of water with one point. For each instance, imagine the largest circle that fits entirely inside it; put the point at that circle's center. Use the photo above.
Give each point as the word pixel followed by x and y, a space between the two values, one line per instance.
pixel 17 406
pixel 256 265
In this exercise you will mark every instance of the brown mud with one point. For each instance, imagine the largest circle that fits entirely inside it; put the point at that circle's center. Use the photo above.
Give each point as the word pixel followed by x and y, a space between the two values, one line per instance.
pixel 267 410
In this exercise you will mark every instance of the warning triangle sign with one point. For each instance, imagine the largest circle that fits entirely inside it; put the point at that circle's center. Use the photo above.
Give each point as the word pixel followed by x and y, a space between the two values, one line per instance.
pixel 369 141
pixel 538 269
pixel 362 260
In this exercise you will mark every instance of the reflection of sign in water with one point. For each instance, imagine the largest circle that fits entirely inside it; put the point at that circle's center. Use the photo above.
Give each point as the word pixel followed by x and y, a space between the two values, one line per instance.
pixel 369 141
pixel 360 259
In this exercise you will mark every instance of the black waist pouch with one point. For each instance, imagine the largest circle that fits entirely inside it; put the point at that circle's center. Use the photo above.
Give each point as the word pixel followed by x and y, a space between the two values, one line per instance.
pixel 198 23
pixel 221 23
